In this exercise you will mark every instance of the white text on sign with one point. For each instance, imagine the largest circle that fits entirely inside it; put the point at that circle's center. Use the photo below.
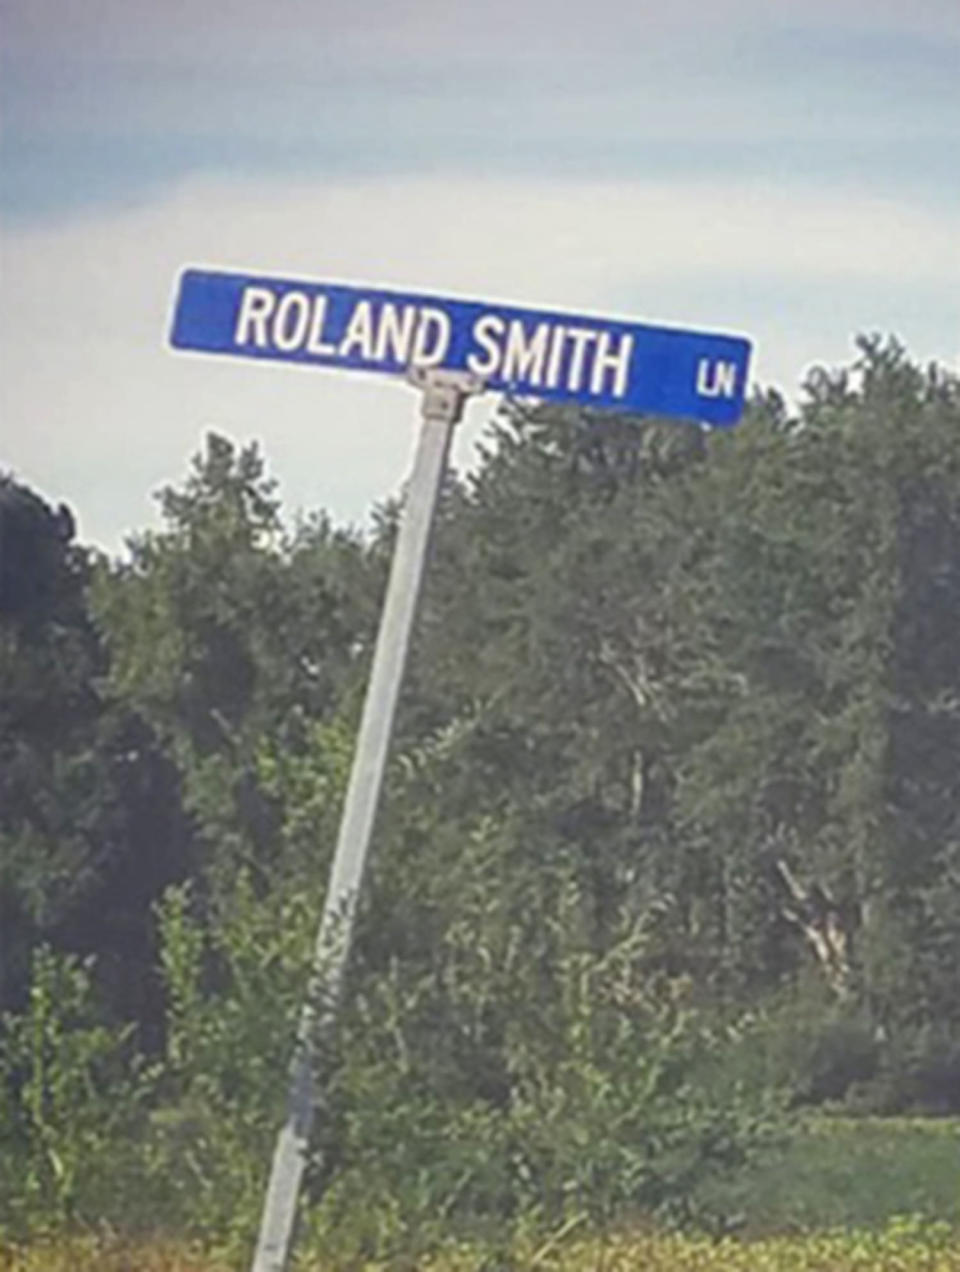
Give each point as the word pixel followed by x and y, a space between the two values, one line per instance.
pixel 542 355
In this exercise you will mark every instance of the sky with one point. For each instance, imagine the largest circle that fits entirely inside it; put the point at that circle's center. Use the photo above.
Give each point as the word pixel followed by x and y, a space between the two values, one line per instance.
pixel 788 172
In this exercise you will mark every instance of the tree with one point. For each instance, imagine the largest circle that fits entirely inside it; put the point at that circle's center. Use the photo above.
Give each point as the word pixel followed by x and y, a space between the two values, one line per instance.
pixel 90 831
pixel 232 636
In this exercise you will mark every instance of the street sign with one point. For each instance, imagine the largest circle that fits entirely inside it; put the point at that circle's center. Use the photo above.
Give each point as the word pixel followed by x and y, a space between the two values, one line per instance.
pixel 612 363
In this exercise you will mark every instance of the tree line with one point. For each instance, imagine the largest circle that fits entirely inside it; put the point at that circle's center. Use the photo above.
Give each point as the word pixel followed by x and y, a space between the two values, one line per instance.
pixel 671 835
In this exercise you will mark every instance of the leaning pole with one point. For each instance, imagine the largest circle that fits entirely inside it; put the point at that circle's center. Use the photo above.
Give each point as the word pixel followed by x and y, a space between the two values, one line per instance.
pixel 444 394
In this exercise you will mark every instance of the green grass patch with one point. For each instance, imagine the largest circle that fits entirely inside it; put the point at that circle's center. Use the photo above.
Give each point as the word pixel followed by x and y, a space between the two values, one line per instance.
pixel 850 1173
pixel 905 1245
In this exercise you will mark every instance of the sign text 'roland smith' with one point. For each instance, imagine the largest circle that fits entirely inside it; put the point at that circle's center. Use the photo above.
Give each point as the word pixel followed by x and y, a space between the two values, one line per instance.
pixel 591 360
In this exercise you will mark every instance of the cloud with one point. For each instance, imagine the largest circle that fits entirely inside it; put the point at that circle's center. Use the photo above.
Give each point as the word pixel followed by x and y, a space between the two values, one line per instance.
pixel 387 31
pixel 97 410
pixel 112 101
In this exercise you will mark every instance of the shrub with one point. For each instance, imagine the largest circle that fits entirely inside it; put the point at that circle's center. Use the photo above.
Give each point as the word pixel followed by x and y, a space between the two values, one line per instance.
pixel 72 1102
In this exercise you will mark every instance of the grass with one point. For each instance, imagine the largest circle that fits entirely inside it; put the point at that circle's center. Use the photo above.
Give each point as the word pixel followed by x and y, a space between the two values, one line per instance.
pixel 903 1246
pixel 847 1173
pixel 828 1202
pixel 105 1254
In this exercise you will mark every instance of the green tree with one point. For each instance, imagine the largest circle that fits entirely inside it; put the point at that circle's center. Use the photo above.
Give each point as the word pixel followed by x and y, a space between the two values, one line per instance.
pixel 89 826
pixel 230 635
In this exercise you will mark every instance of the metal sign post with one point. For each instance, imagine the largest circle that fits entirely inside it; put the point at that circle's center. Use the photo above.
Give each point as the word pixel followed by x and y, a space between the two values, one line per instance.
pixel 444 396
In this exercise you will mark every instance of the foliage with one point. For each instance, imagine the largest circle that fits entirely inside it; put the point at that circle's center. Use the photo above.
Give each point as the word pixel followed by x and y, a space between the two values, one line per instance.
pixel 673 821
pixel 906 1243
pixel 231 636
pixel 232 991
pixel 90 824
pixel 72 1103
pixel 519 1080
pixel 853 1173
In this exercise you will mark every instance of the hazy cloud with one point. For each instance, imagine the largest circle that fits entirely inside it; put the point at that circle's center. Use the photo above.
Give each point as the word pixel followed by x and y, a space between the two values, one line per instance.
pixel 107 102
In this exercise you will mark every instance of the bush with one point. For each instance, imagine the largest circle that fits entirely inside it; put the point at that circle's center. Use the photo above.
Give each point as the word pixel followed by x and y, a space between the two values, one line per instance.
pixel 512 1078
pixel 810 1047
pixel 604 1109
pixel 918 1072
pixel 72 1104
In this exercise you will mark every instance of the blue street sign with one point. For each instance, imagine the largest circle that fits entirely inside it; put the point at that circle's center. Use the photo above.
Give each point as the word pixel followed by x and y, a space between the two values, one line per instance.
pixel 595 361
